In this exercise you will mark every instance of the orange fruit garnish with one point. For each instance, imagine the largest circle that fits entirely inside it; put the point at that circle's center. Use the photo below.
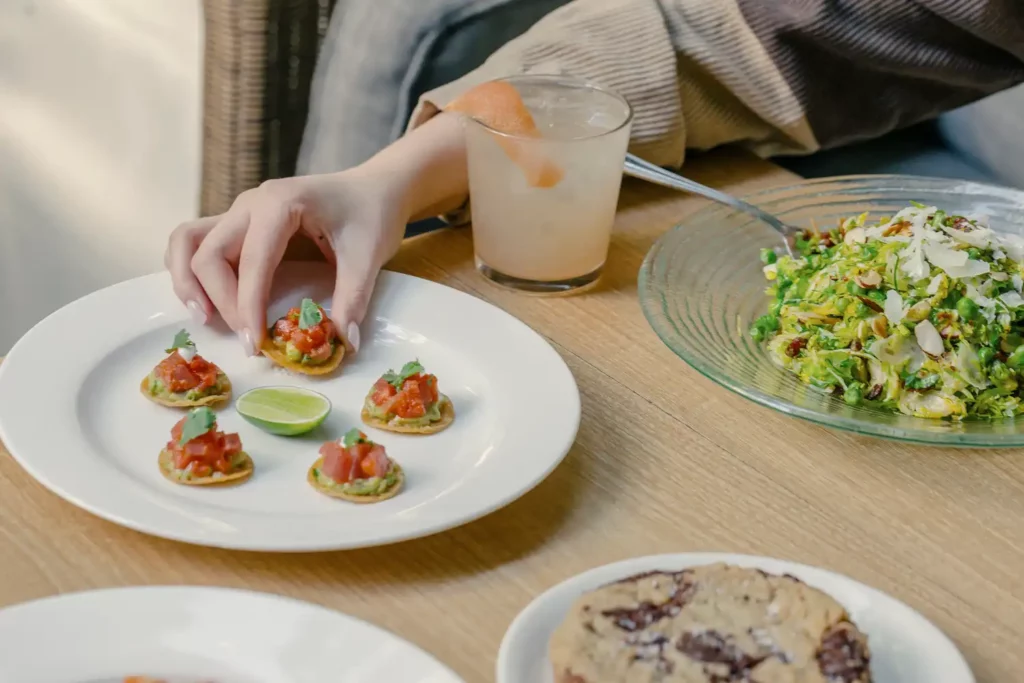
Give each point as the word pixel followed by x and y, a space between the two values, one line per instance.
pixel 498 105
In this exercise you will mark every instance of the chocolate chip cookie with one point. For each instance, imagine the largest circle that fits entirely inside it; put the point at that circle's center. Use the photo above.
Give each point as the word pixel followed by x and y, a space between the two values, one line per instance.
pixel 712 624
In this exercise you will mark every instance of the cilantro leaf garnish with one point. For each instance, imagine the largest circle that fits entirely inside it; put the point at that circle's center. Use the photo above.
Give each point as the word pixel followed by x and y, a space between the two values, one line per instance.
pixel 352 437
pixel 396 379
pixel 182 340
pixel 309 314
pixel 197 422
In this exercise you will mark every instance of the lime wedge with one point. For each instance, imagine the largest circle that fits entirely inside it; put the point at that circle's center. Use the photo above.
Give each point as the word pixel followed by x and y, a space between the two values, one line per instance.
pixel 286 411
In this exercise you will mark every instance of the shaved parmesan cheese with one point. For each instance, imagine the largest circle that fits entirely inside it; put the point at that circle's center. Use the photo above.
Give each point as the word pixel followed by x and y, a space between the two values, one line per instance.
pixel 893 308
pixel 913 263
pixel 1018 281
pixel 1013 245
pixel 944 257
pixel 1000 277
pixel 928 338
pixel 856 236
pixel 970 269
pixel 935 284
pixel 1011 299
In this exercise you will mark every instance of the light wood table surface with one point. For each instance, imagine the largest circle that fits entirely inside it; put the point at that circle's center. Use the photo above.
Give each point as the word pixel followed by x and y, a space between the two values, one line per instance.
pixel 665 461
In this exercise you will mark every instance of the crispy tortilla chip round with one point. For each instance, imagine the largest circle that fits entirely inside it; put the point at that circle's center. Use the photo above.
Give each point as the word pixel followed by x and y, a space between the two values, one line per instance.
pixel 281 358
pixel 182 403
pixel 390 493
pixel 447 417
pixel 167 469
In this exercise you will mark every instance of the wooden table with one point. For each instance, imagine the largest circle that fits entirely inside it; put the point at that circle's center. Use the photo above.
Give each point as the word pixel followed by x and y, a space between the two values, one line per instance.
pixel 665 462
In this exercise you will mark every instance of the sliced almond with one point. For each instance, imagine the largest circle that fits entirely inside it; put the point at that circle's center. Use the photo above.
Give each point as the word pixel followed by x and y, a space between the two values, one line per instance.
pixel 929 339
pixel 869 280
pixel 880 326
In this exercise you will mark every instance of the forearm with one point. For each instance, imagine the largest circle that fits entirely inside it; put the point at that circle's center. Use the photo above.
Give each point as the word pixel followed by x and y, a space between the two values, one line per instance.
pixel 427 168
pixel 775 77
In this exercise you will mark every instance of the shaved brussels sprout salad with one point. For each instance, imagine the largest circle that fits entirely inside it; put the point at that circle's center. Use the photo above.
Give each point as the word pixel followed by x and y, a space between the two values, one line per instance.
pixel 920 313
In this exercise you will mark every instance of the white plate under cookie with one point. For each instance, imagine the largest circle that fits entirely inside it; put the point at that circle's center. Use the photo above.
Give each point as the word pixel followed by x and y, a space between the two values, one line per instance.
pixel 904 645
pixel 186 635
pixel 71 414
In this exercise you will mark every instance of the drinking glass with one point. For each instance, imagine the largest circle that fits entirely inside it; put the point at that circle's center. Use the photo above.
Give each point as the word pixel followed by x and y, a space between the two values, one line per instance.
pixel 543 204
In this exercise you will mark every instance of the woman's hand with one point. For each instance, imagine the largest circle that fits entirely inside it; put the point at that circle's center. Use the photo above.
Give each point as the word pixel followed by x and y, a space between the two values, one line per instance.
pixel 355 217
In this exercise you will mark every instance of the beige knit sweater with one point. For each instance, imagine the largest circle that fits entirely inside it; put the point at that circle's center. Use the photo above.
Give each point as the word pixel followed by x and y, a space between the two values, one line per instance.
pixel 775 76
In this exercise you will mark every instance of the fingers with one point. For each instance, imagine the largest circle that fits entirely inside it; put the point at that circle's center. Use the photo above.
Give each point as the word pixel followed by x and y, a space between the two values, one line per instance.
pixel 212 262
pixel 272 225
pixel 181 247
pixel 352 291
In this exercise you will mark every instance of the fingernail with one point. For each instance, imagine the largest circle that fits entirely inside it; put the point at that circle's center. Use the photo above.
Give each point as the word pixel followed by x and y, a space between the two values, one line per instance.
pixel 248 341
pixel 196 311
pixel 353 336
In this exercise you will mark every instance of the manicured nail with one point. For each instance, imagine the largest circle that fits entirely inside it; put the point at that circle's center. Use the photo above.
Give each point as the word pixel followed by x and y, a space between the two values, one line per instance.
pixel 196 311
pixel 353 336
pixel 248 341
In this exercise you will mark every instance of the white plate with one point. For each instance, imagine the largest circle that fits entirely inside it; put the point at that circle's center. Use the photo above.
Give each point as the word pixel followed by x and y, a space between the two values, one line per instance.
pixel 71 414
pixel 904 645
pixel 188 635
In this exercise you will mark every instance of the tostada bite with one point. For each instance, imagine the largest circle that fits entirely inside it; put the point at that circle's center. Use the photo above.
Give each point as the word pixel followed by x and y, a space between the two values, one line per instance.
pixel 305 341
pixel 185 379
pixel 199 455
pixel 356 469
pixel 408 402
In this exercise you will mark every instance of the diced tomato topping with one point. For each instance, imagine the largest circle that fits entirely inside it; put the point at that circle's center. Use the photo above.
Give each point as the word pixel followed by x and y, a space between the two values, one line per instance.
pixel 180 375
pixel 207 453
pixel 418 393
pixel 360 461
pixel 383 392
pixel 376 463
pixel 311 341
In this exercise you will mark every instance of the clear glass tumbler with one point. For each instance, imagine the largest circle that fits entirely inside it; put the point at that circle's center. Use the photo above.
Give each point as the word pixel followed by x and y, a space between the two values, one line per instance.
pixel 544 204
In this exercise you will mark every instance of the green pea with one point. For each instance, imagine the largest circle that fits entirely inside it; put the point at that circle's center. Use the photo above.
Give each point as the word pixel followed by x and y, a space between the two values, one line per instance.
pixel 876 296
pixel 861 310
pixel 854 394
pixel 967 309
pixel 1016 359
pixel 973 253
pixel 842 304
pixel 857 290
pixel 768 256
pixel 985 355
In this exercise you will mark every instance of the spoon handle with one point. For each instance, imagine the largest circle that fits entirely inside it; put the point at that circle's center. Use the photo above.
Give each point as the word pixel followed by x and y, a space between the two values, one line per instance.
pixel 644 170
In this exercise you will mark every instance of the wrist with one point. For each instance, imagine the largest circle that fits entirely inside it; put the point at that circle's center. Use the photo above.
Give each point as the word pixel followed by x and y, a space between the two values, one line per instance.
pixel 425 171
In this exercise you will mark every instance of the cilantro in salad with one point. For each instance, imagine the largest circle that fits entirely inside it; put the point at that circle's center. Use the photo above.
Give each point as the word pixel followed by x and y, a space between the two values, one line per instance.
pixel 920 313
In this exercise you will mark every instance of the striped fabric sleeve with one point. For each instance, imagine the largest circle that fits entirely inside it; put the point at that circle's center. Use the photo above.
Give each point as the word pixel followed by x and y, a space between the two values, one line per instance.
pixel 788 76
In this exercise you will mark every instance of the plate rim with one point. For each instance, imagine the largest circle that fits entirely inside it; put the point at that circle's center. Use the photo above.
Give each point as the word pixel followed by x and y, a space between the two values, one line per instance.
pixel 522 620
pixel 573 415
pixel 652 303
pixel 170 591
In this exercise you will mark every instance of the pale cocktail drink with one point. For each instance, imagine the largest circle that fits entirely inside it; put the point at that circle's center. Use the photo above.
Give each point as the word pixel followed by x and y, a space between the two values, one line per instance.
pixel 543 207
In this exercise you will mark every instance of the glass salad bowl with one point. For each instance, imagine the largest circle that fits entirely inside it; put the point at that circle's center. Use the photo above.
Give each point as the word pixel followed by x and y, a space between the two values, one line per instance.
pixel 701 286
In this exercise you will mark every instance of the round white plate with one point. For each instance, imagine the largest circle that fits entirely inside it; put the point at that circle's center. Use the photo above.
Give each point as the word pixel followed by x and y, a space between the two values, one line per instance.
pixel 194 635
pixel 71 414
pixel 904 645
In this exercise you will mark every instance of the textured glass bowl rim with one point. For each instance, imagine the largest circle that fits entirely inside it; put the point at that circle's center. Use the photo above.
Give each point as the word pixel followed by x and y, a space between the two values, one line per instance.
pixel 652 303
pixel 567 82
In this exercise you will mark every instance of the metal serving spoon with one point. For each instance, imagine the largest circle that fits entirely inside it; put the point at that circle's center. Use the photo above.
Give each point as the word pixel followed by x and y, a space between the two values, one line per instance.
pixel 638 168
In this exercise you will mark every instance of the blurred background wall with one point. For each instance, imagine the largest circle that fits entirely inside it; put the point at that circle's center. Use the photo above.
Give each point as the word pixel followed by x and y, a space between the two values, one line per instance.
pixel 99 145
